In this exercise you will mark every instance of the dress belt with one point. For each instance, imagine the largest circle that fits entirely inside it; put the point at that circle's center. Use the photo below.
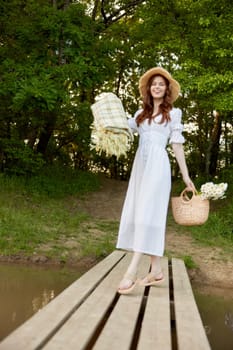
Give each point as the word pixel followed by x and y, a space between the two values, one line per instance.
pixel 152 136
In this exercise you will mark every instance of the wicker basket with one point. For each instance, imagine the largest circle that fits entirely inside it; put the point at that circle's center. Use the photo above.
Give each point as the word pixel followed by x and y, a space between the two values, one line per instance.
pixel 190 211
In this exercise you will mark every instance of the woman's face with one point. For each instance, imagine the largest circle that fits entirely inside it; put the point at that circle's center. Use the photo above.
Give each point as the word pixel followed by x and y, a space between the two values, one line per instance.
pixel 158 87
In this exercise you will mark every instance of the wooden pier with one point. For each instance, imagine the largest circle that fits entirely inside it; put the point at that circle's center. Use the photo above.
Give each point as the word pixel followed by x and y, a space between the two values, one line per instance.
pixel 89 314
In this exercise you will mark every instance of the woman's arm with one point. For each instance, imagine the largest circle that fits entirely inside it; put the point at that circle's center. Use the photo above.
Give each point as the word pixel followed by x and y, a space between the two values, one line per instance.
pixel 180 157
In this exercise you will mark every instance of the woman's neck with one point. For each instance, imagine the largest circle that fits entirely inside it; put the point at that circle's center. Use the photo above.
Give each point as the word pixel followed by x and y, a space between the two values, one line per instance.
pixel 157 103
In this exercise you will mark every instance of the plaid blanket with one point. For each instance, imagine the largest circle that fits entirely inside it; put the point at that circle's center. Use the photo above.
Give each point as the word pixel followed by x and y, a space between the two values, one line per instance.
pixel 110 131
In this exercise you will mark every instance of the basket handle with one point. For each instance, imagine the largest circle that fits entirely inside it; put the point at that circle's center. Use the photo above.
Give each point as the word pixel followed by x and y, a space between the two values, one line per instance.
pixel 185 197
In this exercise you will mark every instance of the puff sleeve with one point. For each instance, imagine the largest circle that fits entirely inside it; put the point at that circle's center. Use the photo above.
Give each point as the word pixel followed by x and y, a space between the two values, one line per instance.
pixel 176 127
pixel 132 121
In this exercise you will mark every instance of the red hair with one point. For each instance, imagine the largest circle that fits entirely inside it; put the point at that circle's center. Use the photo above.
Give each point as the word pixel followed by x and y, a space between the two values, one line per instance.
pixel 164 107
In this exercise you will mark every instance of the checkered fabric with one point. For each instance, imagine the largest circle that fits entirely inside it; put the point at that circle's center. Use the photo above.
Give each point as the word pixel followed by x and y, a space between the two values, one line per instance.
pixel 110 131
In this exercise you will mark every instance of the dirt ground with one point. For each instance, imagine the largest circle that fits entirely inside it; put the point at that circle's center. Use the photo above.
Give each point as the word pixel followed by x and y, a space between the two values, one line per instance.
pixel 214 271
pixel 214 268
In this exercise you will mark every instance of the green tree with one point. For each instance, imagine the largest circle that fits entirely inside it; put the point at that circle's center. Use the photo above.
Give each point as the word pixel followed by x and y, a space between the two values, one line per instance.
pixel 193 40
pixel 59 55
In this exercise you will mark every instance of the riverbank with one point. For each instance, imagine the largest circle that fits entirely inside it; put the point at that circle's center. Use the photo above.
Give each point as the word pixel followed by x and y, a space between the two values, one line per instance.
pixel 208 266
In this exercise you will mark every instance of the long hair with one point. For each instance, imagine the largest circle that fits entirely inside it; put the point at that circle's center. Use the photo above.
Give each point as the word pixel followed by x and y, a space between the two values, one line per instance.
pixel 164 107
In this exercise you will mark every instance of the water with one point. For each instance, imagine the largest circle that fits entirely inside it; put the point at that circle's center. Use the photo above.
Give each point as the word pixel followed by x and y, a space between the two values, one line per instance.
pixel 216 310
pixel 25 290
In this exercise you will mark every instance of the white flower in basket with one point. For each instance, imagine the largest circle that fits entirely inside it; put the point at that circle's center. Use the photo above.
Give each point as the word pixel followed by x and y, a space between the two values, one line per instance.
pixel 213 191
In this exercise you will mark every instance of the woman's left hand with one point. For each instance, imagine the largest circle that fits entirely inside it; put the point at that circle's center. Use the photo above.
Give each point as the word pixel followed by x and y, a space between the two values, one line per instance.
pixel 189 184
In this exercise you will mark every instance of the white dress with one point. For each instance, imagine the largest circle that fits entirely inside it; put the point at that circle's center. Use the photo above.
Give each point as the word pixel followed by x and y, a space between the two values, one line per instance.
pixel 144 214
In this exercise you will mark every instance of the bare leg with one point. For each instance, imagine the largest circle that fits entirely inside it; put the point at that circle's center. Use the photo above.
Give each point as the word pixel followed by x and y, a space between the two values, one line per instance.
pixel 156 266
pixel 131 272
pixel 156 275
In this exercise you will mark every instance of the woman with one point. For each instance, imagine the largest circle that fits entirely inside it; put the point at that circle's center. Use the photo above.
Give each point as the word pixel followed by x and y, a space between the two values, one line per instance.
pixel 143 220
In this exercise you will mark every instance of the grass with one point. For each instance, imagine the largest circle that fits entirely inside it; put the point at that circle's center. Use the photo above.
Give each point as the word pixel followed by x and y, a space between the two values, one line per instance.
pixel 218 230
pixel 40 216
pixel 188 259
pixel 189 263
pixel 53 182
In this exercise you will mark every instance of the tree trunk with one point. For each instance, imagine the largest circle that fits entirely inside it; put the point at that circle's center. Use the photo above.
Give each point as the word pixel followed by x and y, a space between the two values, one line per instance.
pixel 231 153
pixel 46 134
pixel 214 144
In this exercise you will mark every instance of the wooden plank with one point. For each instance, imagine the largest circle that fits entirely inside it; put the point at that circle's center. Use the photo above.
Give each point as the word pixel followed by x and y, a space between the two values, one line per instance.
pixel 156 329
pixel 79 329
pixel 189 327
pixel 119 329
pixel 34 332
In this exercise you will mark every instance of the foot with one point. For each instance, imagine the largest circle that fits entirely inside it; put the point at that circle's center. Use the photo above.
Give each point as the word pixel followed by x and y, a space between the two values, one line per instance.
pixel 127 284
pixel 152 279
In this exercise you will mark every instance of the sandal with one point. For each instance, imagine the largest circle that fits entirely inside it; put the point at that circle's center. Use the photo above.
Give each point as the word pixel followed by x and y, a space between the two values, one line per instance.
pixel 151 280
pixel 128 290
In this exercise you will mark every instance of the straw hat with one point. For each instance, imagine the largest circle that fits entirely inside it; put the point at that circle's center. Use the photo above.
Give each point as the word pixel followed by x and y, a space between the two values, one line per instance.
pixel 173 84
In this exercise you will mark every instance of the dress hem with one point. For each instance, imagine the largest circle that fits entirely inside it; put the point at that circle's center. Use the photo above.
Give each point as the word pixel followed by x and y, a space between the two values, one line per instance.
pixel 140 251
